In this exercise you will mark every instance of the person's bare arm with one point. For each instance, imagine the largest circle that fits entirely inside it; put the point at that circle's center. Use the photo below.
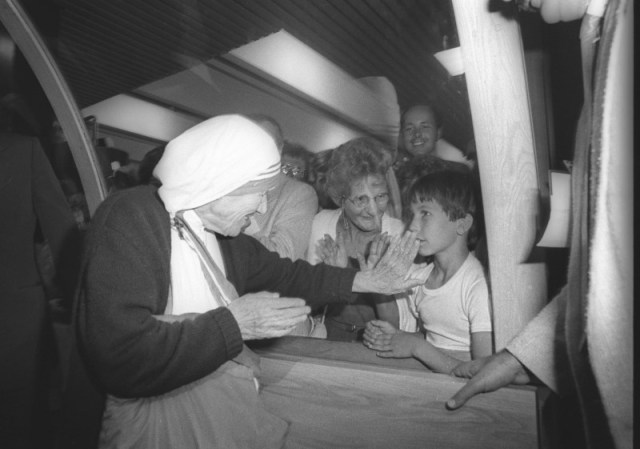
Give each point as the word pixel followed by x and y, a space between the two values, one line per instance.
pixel 481 344
pixel 389 342
pixel 387 310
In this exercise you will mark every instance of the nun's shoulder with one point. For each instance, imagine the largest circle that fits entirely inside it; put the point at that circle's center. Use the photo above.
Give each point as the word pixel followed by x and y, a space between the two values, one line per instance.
pixel 140 203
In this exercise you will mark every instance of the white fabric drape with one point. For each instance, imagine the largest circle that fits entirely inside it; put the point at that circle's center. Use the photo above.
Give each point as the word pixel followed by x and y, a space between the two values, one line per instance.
pixel 190 292
pixel 213 159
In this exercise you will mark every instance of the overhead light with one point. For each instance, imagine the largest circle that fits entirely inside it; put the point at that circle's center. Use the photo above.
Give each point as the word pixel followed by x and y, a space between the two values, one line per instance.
pixel 451 60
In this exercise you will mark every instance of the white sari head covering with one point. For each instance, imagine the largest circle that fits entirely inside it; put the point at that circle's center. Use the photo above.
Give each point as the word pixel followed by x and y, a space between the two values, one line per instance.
pixel 223 155
pixel 213 159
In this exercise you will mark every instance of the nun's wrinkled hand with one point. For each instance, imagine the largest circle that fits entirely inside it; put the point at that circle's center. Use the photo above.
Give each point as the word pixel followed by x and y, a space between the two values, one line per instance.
pixel 266 315
pixel 393 273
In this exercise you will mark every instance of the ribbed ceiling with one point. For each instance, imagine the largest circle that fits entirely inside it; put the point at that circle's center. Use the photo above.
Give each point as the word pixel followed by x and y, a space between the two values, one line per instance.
pixel 107 47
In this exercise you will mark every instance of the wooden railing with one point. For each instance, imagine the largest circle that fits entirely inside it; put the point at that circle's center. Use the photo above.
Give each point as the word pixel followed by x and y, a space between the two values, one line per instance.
pixel 341 395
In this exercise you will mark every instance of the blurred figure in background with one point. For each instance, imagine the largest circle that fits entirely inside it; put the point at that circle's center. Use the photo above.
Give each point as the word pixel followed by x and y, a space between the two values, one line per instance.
pixel 31 199
pixel 295 161
pixel 147 164
pixel 291 205
pixel 318 166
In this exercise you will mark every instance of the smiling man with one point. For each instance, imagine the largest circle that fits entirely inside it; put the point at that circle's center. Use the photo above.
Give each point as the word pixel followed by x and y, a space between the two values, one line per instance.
pixel 421 130
pixel 421 136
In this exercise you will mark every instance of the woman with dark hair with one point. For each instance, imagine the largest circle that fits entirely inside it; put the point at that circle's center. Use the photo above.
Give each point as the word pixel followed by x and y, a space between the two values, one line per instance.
pixel 318 166
pixel 343 237
pixel 295 161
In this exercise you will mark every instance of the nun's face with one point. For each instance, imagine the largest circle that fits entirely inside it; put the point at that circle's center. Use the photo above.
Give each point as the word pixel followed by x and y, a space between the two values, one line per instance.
pixel 231 214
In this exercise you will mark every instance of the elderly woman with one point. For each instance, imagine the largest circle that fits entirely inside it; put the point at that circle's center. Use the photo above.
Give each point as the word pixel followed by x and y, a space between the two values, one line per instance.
pixel 171 287
pixel 343 237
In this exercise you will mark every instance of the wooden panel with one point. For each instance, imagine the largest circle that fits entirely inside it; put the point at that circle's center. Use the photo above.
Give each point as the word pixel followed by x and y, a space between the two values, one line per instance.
pixel 300 348
pixel 500 109
pixel 341 404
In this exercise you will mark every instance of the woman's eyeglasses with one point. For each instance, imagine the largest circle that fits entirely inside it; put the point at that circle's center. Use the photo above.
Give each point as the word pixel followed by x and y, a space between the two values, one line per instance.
pixel 363 201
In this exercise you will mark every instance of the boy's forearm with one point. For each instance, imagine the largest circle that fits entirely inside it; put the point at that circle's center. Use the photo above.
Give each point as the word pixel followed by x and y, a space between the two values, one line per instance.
pixel 435 359
pixel 387 310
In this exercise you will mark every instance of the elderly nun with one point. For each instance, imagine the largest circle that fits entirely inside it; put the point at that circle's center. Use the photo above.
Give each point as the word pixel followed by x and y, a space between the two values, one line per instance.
pixel 171 288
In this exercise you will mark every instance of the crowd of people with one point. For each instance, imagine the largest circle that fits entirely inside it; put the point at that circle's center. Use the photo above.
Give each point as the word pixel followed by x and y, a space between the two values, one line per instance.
pixel 172 285
pixel 335 205
pixel 230 227
pixel 232 233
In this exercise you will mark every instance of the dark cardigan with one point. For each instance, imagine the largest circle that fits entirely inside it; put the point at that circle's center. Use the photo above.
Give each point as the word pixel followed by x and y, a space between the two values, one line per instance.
pixel 125 280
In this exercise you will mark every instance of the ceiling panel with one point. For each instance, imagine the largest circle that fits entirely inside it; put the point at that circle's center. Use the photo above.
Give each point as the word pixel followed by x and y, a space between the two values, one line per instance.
pixel 110 47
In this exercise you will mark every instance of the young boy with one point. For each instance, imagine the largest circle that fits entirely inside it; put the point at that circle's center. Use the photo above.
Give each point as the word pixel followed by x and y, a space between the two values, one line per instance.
pixel 453 305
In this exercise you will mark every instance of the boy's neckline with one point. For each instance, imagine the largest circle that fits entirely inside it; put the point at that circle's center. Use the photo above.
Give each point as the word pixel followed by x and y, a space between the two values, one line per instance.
pixel 443 276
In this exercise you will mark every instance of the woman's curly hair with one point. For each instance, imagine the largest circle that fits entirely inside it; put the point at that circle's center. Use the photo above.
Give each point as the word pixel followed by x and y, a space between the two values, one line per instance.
pixel 353 161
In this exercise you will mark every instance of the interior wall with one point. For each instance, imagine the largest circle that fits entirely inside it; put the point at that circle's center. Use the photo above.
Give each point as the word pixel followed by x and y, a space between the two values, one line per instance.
pixel 217 88
pixel 210 91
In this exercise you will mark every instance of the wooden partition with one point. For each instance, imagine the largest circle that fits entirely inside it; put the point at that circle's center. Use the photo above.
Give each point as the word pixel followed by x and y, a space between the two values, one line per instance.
pixel 341 395
pixel 496 79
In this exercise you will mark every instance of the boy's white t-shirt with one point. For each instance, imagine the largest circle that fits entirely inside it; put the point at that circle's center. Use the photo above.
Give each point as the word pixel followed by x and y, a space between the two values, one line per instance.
pixel 452 312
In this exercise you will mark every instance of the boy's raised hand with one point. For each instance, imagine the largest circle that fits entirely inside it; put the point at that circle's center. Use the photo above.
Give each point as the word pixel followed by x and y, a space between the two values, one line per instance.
pixel 377 248
pixel 393 274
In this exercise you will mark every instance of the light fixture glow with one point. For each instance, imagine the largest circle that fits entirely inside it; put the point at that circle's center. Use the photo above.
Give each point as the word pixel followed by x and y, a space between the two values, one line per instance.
pixel 451 60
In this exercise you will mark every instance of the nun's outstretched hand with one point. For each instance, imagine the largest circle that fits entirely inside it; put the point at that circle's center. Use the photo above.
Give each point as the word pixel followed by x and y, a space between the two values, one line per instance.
pixel 394 272
pixel 267 315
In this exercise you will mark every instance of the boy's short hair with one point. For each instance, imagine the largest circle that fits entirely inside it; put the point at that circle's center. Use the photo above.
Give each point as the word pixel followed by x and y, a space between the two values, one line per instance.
pixel 454 191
